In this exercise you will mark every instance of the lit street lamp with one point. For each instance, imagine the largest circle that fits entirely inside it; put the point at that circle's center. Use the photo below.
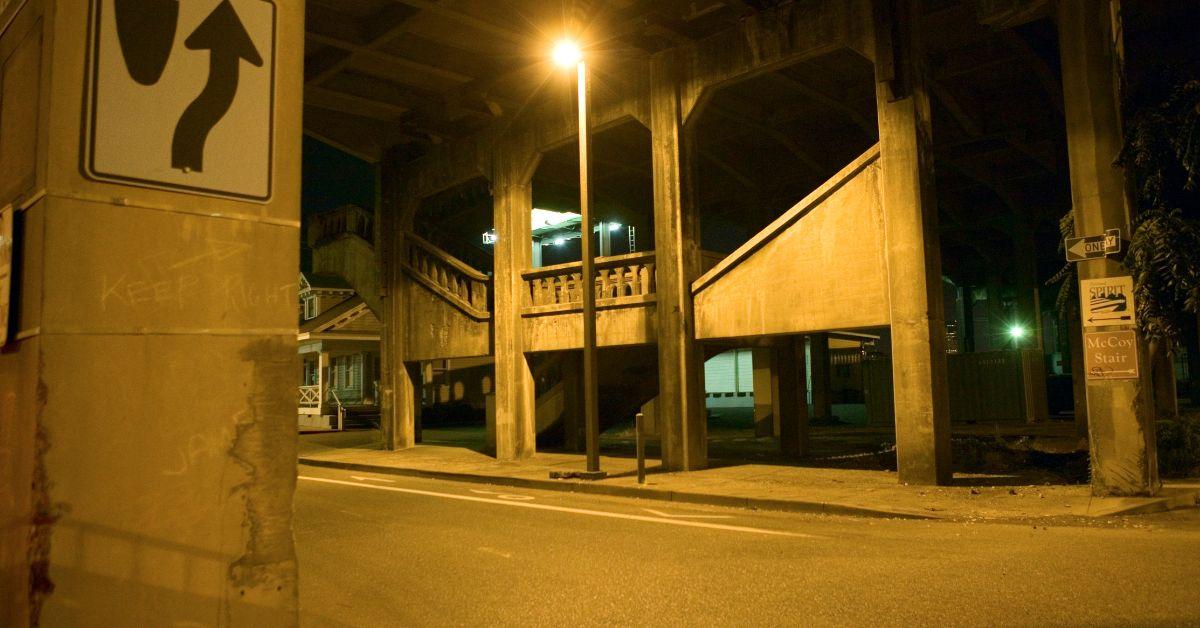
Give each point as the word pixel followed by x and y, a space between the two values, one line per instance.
pixel 566 54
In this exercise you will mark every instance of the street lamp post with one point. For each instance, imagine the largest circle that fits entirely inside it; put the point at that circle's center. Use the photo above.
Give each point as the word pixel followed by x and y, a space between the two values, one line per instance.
pixel 567 53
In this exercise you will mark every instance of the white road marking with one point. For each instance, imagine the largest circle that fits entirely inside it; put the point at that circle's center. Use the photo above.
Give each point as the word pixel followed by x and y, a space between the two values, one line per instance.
pixel 507 496
pixel 670 516
pixel 576 511
pixel 497 552
pixel 366 479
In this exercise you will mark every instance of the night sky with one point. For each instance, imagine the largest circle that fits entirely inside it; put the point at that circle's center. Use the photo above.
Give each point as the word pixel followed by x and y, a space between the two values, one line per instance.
pixel 331 178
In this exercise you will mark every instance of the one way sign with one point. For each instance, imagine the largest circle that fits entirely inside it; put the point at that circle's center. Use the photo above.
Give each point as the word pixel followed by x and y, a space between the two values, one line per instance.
pixel 181 95
pixel 1093 247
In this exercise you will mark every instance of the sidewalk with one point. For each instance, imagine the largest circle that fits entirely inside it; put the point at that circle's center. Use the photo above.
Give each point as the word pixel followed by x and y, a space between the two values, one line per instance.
pixel 761 486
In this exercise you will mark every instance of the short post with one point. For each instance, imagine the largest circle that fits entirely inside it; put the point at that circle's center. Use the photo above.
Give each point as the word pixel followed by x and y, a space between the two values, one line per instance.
pixel 640 439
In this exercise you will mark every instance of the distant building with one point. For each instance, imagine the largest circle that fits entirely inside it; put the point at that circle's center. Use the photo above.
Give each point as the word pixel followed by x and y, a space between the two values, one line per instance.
pixel 339 348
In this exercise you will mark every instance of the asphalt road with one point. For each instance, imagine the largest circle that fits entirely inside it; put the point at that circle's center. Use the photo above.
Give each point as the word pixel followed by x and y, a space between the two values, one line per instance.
pixel 378 550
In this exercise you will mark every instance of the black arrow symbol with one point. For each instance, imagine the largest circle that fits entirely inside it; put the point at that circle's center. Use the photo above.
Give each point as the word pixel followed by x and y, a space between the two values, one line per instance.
pixel 224 36
pixel 1110 318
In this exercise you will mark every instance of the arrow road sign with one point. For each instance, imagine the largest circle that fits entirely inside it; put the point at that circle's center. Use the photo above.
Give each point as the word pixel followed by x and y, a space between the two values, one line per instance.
pixel 1093 247
pixel 181 96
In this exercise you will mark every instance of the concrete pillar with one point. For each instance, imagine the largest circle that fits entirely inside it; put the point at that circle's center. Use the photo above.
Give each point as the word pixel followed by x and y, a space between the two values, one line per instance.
pixel 676 239
pixel 788 388
pixel 514 428
pixel 912 248
pixel 821 393
pixel 148 400
pixel 1120 412
pixel 400 380
pixel 766 420
pixel 1078 376
pixel 604 236
pixel 572 382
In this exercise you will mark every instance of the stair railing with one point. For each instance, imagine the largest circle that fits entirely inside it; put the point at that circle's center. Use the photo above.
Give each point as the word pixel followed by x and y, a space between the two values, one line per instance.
pixel 447 276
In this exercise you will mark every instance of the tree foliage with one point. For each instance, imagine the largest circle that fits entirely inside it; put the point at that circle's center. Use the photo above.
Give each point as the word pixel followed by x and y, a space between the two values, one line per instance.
pixel 1161 157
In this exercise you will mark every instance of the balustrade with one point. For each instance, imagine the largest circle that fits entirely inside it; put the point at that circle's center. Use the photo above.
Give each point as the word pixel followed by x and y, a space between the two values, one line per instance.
pixel 345 220
pixel 447 276
pixel 310 396
pixel 620 280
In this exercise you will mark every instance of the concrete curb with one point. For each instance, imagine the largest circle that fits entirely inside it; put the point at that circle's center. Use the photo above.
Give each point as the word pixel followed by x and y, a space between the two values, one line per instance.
pixel 1185 499
pixel 683 497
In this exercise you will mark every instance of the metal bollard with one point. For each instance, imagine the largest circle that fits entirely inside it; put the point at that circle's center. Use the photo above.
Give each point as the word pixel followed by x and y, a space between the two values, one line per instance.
pixel 640 439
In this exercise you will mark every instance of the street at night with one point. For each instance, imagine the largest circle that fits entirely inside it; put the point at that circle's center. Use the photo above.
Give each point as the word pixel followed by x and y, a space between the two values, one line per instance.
pixel 388 550
pixel 530 313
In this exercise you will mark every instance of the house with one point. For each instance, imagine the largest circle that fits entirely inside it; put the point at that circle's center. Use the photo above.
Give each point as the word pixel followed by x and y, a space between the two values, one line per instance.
pixel 339 349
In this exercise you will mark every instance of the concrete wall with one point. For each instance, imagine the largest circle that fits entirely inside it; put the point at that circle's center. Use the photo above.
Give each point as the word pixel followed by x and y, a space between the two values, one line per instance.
pixel 353 259
pixel 145 485
pixel 782 280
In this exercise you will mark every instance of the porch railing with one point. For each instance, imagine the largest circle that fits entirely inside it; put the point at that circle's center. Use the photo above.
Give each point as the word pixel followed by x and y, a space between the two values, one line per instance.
pixel 447 276
pixel 621 280
pixel 310 396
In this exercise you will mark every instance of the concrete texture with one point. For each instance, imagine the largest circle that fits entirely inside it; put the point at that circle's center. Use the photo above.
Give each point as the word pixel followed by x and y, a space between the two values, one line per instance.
pixel 760 486
pixel 151 390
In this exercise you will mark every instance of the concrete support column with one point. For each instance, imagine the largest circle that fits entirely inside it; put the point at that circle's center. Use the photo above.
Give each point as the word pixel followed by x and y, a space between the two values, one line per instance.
pixel 766 420
pixel 912 249
pixel 514 422
pixel 572 382
pixel 789 390
pixel 399 381
pixel 1120 412
pixel 821 394
pixel 148 400
pixel 676 236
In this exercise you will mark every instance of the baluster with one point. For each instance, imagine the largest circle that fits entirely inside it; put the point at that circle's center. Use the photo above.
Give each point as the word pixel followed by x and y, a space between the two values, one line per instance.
pixel 635 279
pixel 648 286
pixel 606 283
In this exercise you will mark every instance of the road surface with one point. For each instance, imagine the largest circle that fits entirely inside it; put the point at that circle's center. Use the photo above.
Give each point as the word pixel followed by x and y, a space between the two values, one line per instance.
pixel 380 550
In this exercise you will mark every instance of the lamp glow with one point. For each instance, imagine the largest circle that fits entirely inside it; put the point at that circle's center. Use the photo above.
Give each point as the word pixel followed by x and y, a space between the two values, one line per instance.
pixel 560 241
pixel 1017 332
pixel 613 226
pixel 567 53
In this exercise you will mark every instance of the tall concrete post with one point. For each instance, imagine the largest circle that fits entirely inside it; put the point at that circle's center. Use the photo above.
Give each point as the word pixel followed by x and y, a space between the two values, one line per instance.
pixel 400 381
pixel 788 388
pixel 148 403
pixel 514 427
pixel 766 419
pixel 912 248
pixel 1120 412
pixel 821 394
pixel 676 235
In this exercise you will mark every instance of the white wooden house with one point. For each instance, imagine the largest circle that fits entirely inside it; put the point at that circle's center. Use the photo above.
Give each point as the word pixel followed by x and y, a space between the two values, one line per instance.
pixel 339 350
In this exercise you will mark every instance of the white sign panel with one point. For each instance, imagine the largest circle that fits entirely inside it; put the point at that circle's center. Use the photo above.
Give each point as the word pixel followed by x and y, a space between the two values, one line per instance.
pixel 1108 301
pixel 181 95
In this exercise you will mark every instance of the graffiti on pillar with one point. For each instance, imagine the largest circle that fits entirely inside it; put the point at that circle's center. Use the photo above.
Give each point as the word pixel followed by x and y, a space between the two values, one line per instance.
pixel 182 95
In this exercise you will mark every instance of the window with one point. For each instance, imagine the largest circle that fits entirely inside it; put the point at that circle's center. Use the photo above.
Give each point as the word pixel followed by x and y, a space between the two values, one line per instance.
pixel 310 307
